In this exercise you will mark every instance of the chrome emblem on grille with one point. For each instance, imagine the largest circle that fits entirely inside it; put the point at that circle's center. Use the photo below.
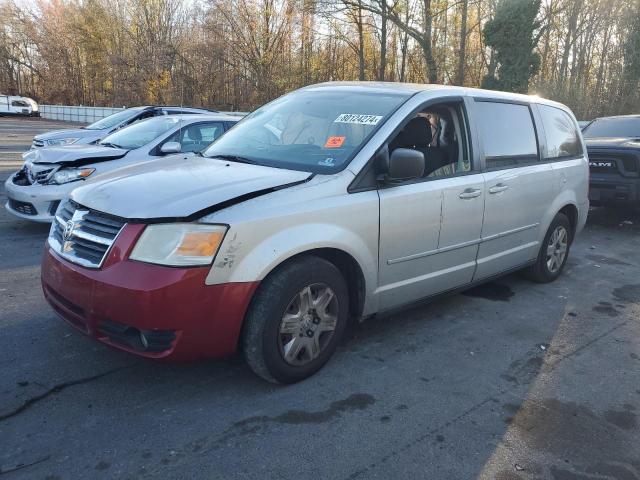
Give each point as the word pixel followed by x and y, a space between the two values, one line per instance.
pixel 68 230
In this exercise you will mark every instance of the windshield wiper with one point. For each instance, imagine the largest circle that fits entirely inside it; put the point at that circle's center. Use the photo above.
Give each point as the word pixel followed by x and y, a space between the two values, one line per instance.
pixel 110 145
pixel 235 158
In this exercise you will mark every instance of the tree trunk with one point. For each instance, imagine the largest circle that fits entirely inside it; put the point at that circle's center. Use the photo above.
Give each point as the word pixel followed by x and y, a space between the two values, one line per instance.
pixel 383 41
pixel 571 27
pixel 463 44
pixel 404 46
pixel 425 43
pixel 360 43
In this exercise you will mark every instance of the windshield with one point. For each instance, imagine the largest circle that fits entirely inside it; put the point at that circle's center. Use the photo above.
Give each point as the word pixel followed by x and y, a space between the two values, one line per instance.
pixel 140 133
pixel 311 130
pixel 113 120
pixel 622 127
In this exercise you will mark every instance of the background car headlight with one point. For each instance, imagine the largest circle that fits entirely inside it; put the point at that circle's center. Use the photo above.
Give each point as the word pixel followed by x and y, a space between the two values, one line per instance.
pixel 62 141
pixel 71 174
pixel 179 244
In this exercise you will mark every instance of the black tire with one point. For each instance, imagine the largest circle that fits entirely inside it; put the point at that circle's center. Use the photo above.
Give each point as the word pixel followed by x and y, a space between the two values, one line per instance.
pixel 540 272
pixel 262 337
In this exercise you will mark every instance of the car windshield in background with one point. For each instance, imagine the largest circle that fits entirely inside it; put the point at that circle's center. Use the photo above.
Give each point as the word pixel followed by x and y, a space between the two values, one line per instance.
pixel 310 130
pixel 141 133
pixel 113 120
pixel 613 127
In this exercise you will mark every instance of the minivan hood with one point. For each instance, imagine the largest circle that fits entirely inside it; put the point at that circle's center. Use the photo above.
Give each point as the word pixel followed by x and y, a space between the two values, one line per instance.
pixel 74 154
pixel 71 132
pixel 176 187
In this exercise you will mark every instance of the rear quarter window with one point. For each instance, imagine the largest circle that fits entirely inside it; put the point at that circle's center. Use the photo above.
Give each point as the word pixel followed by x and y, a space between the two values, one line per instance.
pixel 507 132
pixel 560 133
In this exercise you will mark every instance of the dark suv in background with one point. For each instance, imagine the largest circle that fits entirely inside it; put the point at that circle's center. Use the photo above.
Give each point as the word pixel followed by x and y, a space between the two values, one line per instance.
pixel 613 144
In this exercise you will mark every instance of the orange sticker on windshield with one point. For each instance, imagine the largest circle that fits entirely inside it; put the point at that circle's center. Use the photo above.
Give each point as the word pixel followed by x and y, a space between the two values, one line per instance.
pixel 334 142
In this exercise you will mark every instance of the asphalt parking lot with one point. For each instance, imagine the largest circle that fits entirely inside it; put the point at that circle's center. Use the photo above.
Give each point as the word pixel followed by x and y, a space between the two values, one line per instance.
pixel 512 380
pixel 16 135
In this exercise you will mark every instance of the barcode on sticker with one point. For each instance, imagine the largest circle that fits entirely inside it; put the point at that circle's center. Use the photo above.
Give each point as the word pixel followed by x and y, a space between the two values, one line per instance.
pixel 358 118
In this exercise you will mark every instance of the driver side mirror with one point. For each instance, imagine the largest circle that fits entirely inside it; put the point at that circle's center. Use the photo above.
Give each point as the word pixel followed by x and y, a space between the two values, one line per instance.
pixel 404 164
pixel 171 147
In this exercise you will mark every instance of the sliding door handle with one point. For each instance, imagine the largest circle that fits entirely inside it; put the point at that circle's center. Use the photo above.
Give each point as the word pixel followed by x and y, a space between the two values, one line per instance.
pixel 470 193
pixel 499 188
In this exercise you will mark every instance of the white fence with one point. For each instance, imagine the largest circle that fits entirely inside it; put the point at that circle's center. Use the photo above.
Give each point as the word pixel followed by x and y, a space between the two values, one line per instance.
pixel 75 114
pixel 69 113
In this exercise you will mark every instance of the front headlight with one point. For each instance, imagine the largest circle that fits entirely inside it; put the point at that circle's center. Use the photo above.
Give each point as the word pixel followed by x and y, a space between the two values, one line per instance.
pixel 71 174
pixel 179 244
pixel 62 141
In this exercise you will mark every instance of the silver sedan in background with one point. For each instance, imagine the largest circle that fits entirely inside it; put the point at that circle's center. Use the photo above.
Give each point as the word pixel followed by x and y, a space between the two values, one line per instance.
pixel 98 130
pixel 49 174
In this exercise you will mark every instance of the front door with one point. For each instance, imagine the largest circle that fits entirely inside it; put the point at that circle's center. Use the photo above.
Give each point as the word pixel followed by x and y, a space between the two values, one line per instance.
pixel 429 236
pixel 430 229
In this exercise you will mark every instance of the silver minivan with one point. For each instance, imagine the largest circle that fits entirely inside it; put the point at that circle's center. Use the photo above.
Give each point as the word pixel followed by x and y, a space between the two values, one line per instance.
pixel 335 202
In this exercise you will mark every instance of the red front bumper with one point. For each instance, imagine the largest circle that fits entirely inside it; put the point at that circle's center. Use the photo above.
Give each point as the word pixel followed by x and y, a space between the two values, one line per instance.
pixel 206 319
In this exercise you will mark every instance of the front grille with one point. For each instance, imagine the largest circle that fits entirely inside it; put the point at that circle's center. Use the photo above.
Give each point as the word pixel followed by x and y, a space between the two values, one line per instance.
pixel 623 164
pixel 31 173
pixel 42 176
pixel 630 164
pixel 82 235
pixel 22 207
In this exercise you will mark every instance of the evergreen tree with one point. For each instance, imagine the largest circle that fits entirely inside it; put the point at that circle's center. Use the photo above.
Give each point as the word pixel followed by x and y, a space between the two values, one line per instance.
pixel 511 35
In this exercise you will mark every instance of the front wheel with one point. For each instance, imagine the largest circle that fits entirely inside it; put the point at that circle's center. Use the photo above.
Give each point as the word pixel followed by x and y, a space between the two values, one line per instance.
pixel 296 320
pixel 554 251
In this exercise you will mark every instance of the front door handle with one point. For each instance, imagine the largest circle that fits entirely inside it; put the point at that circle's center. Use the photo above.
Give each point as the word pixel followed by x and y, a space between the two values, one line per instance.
pixel 498 188
pixel 470 193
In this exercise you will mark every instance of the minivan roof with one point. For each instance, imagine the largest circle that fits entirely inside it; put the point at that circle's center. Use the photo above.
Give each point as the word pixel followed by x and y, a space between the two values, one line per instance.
pixel 412 88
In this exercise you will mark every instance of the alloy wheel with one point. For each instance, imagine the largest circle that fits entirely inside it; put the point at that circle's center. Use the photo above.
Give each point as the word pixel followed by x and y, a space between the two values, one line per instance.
pixel 308 324
pixel 557 248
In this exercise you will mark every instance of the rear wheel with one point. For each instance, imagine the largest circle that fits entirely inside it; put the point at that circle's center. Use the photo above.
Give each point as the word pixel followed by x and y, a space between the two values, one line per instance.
pixel 296 320
pixel 553 251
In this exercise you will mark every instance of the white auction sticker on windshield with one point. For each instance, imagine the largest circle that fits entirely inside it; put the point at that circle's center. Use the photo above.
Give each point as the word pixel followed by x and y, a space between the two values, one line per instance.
pixel 358 118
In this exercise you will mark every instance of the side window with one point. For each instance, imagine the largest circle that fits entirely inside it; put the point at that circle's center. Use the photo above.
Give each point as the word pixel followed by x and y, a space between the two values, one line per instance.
pixel 196 137
pixel 137 118
pixel 560 132
pixel 508 134
pixel 210 132
pixel 439 132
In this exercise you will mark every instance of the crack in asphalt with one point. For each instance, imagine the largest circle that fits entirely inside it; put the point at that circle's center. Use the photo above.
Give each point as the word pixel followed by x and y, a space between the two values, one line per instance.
pixel 550 367
pixel 57 389
pixel 20 466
